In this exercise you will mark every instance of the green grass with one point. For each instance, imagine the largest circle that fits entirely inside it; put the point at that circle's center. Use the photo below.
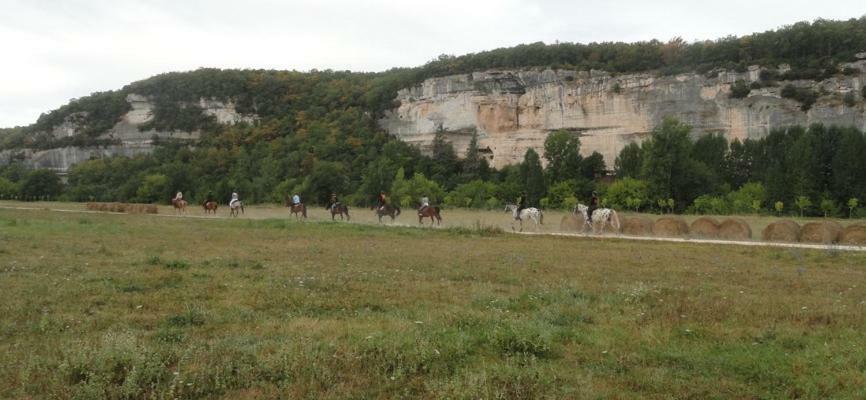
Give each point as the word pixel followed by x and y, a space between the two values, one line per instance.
pixel 133 306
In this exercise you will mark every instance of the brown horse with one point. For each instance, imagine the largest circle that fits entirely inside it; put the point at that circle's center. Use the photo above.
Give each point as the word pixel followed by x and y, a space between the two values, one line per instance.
pixel 387 210
pixel 298 210
pixel 210 207
pixel 339 208
pixel 179 205
pixel 431 212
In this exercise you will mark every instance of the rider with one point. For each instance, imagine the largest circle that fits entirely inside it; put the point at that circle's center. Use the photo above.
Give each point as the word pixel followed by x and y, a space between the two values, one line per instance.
pixel 209 198
pixel 178 196
pixel 296 199
pixel 333 201
pixel 425 202
pixel 593 205
pixel 521 204
pixel 381 200
pixel 234 198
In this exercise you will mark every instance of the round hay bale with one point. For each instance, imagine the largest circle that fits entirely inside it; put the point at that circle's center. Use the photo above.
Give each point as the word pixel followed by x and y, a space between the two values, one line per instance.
pixel 571 222
pixel 152 209
pixel 854 235
pixel 821 232
pixel 781 231
pixel 735 229
pixel 93 206
pixel 670 227
pixel 705 227
pixel 637 226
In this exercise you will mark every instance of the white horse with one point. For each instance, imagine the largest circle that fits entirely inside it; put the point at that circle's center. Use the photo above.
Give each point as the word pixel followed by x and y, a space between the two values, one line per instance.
pixel 600 218
pixel 234 206
pixel 530 213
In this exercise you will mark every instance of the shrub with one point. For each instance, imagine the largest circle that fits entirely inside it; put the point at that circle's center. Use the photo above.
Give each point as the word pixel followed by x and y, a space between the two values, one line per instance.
pixel 740 89
pixel 805 96
pixel 627 193
pixel 850 100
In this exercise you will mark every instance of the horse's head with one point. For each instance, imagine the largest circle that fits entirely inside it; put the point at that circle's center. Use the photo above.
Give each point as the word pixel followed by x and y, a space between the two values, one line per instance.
pixel 510 207
pixel 580 208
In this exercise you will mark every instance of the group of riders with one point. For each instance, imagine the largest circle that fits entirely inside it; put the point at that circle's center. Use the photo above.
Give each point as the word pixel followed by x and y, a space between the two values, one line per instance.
pixel 382 202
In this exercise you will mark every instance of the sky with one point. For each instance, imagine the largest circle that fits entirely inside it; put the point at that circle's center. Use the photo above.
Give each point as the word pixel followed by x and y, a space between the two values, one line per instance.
pixel 53 51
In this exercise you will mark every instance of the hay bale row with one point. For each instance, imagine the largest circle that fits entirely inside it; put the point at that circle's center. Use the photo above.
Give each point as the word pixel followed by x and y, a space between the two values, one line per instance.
pixel 705 228
pixel 825 232
pixel 670 227
pixel 781 231
pixel 854 235
pixel 571 222
pixel 637 226
pixel 734 229
pixel 123 208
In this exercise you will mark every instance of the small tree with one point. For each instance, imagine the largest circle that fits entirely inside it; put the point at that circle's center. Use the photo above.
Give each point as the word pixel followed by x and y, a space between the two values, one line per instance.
pixel 740 89
pixel 802 203
pixel 756 206
pixel 670 203
pixel 779 206
pixel 852 206
pixel 662 204
pixel 828 206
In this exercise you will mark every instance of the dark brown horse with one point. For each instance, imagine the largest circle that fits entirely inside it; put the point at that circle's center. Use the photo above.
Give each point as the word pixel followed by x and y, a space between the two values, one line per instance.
pixel 179 205
pixel 387 210
pixel 431 212
pixel 298 210
pixel 210 207
pixel 339 208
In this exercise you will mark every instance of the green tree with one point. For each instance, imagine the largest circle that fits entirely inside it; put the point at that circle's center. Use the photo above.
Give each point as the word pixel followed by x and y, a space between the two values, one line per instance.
pixel 562 194
pixel 853 203
pixel 474 166
pixel 532 177
pixel 668 166
pixel 562 151
pixel 593 166
pixel 802 203
pixel 408 192
pixel 40 184
pixel 628 162
pixel 779 207
pixel 473 194
pixel 153 189
pixel 828 206
pixel 740 89
pixel 8 189
pixel 627 193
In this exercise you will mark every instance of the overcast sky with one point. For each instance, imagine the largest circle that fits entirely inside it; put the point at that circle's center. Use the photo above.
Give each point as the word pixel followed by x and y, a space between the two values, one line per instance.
pixel 56 50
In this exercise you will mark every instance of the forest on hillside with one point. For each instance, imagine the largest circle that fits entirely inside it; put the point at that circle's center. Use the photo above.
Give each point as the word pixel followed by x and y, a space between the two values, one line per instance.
pixel 317 133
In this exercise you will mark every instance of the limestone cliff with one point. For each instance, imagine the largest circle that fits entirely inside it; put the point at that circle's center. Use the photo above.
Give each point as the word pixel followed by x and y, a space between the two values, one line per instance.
pixel 514 110
pixel 127 135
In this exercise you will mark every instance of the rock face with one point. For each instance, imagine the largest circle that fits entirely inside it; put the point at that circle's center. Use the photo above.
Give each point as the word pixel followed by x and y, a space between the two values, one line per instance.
pixel 127 133
pixel 515 110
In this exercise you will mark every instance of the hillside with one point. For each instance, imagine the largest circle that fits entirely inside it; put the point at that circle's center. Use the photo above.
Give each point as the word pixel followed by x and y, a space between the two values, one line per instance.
pixel 268 132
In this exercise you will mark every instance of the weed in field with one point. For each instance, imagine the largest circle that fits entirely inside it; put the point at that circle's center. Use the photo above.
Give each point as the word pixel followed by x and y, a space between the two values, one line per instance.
pixel 176 264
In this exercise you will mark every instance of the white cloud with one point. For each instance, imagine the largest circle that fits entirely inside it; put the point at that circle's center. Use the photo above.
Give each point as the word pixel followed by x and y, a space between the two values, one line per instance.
pixel 57 50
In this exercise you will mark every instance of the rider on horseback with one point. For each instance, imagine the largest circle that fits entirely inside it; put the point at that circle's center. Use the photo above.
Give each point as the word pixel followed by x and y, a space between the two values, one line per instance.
pixel 593 205
pixel 296 199
pixel 234 199
pixel 425 202
pixel 333 202
pixel 521 204
pixel 178 196
pixel 209 198
pixel 381 201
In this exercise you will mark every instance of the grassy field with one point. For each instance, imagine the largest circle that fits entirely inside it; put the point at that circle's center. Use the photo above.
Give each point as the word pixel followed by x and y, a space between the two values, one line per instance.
pixel 136 306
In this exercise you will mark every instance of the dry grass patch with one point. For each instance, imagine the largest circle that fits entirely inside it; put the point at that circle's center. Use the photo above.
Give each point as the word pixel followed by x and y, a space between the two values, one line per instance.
pixel 571 223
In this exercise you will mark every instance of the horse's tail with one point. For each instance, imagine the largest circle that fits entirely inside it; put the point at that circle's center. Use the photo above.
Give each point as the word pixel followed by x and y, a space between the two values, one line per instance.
pixel 614 220
pixel 398 210
pixel 242 208
pixel 541 217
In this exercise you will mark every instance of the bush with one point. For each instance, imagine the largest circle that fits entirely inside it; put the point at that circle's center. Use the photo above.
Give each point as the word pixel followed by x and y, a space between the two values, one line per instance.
pixel 627 193
pixel 850 100
pixel 406 193
pixel 471 195
pixel 805 96
pixel 39 184
pixel 740 89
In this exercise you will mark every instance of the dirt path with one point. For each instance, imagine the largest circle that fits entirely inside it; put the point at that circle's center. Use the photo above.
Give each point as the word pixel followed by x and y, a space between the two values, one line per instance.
pixel 809 246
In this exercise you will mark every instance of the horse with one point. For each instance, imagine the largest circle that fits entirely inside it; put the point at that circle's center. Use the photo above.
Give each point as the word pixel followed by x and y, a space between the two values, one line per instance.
pixel 339 208
pixel 210 207
pixel 531 212
pixel 298 210
pixel 601 217
pixel 431 212
pixel 234 207
pixel 179 205
pixel 387 210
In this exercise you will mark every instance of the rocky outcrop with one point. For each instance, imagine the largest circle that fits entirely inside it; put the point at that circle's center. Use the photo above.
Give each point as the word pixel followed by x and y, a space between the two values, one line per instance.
pixel 512 111
pixel 128 134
